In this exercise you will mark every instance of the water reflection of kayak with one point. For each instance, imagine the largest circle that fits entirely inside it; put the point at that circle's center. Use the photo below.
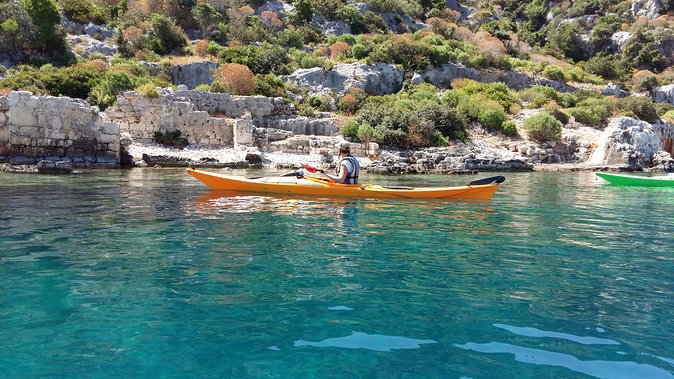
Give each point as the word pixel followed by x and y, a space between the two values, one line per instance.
pixel 312 186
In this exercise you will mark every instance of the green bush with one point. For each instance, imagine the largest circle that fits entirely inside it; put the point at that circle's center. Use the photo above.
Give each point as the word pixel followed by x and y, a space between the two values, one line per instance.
pixel 83 11
pixel 663 108
pixel 641 106
pixel 269 85
pixel 603 65
pixel 203 87
pixel 46 17
pixel 104 94
pixel 351 129
pixel 214 49
pixel 584 115
pixel 510 128
pixel 543 127
pixel 166 36
pixel 366 133
pixel 538 96
pixel 404 121
pixel 261 59
pixel 557 113
pixel 147 90
pixel 669 116
pixel 171 138
pixel 645 84
pixel 554 73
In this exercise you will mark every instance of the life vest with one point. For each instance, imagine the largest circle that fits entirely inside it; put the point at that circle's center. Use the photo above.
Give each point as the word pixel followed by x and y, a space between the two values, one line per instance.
pixel 352 167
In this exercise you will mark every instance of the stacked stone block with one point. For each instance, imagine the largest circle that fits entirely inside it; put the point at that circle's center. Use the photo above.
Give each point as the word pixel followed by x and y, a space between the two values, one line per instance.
pixel 60 128
pixel 4 128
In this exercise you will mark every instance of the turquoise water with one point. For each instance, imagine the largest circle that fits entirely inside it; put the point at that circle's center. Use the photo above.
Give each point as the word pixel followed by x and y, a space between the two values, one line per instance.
pixel 147 274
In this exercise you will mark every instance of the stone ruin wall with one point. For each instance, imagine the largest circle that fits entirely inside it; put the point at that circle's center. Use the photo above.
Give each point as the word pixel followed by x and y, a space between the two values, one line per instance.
pixel 4 128
pixel 56 128
pixel 209 118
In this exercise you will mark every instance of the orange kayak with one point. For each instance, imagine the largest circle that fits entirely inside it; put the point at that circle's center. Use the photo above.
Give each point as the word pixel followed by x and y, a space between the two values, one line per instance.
pixel 312 186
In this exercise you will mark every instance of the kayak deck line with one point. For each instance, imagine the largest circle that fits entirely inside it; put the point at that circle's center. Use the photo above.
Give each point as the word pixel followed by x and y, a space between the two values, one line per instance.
pixel 313 186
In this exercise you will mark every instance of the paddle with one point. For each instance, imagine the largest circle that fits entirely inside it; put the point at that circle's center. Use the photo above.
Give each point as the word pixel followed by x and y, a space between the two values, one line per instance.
pixel 312 169
pixel 494 179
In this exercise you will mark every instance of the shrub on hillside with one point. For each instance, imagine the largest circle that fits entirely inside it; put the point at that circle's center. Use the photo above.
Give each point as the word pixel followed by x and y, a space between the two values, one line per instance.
pixel 261 59
pixel 538 96
pixel 105 92
pixel 405 122
pixel 166 36
pixel 641 106
pixel 235 78
pixel 669 116
pixel 338 49
pixel 83 11
pixel 510 128
pixel 352 100
pixel 201 48
pixel 366 133
pixel 554 73
pixel 269 85
pixel 644 81
pixel 584 115
pixel 148 90
pixel 556 112
pixel 603 65
pixel 543 127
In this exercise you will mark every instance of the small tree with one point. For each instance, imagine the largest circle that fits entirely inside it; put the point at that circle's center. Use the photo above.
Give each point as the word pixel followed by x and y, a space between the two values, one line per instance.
pixel 235 78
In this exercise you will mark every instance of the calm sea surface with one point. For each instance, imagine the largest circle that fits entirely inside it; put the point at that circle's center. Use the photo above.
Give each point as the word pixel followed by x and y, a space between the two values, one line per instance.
pixel 146 273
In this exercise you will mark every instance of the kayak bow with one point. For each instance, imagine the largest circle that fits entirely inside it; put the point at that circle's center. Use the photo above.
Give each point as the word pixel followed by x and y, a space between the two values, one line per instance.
pixel 322 187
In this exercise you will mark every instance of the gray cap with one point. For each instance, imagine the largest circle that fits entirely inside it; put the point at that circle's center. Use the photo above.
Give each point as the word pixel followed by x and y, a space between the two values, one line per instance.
pixel 344 145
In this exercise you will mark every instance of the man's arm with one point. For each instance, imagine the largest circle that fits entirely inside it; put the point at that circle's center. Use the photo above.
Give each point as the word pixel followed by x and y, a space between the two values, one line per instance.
pixel 343 172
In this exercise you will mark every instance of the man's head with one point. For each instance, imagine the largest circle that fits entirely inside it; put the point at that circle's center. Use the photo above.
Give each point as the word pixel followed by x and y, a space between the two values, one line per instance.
pixel 344 147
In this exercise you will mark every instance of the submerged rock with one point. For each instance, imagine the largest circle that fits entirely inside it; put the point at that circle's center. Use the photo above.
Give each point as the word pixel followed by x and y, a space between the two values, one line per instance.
pixel 54 167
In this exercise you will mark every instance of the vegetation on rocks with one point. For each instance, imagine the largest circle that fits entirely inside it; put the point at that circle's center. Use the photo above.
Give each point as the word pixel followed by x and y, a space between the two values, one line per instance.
pixel 584 44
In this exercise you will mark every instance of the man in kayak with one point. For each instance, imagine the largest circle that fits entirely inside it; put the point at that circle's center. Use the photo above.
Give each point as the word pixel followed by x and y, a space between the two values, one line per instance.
pixel 348 168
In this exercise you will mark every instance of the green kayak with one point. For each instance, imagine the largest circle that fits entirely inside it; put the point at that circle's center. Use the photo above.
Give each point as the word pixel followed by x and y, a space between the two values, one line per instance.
pixel 633 180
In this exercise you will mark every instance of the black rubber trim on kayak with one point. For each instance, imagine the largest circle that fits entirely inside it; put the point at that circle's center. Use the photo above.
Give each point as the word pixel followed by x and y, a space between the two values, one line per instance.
pixel 494 179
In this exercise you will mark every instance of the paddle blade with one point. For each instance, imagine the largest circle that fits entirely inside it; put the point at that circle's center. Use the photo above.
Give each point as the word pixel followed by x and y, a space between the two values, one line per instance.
pixel 311 168
pixel 494 179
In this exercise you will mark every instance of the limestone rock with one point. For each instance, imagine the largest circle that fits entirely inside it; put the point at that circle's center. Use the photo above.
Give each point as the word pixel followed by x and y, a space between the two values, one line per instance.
pixel 86 46
pixel 627 141
pixel 193 74
pixel 620 39
pixel 375 79
pixel 614 90
pixel 52 167
pixel 650 9
pixel 665 94
pixel 442 77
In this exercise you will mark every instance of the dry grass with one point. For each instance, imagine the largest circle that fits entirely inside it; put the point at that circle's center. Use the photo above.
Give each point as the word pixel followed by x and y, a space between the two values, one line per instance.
pixel 185 59
pixel 550 60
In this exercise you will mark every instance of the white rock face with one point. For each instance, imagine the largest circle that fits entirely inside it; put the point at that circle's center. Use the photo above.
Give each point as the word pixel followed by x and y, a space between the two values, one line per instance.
pixel 620 39
pixel 629 141
pixel 650 9
pixel 86 46
pixel 665 94
pixel 375 79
